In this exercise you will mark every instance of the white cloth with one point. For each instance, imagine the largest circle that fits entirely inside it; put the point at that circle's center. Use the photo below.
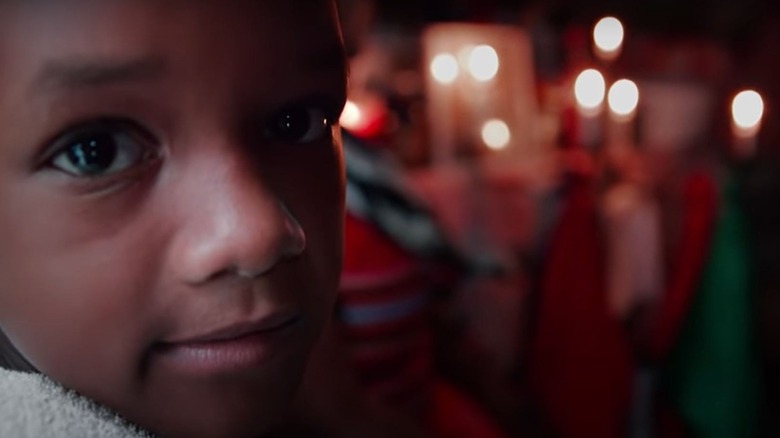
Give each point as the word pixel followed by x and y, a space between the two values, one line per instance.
pixel 32 406
pixel 635 273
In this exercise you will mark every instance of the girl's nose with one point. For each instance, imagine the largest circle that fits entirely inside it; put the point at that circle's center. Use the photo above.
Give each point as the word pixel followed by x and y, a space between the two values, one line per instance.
pixel 234 225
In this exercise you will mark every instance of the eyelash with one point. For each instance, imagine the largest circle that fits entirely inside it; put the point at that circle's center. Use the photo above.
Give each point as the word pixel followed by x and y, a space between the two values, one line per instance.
pixel 320 117
pixel 130 145
pixel 123 134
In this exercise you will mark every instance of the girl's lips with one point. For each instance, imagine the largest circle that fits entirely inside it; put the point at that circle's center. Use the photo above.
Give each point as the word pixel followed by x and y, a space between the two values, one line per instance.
pixel 232 348
pixel 238 329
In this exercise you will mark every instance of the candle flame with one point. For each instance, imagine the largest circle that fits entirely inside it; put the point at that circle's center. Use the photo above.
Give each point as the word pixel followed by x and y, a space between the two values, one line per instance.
pixel 483 63
pixel 623 97
pixel 590 89
pixel 496 134
pixel 747 110
pixel 608 36
pixel 444 68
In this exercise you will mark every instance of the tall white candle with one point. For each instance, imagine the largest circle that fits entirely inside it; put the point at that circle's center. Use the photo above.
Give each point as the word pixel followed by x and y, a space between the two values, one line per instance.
pixel 608 36
pixel 747 113
pixel 589 92
pixel 623 100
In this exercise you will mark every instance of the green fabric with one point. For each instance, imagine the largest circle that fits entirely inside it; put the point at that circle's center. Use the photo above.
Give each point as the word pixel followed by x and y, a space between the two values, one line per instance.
pixel 711 374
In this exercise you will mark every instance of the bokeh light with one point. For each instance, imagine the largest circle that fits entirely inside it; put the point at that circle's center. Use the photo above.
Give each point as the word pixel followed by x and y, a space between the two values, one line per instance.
pixel 623 97
pixel 352 117
pixel 608 34
pixel 444 68
pixel 496 134
pixel 747 109
pixel 483 63
pixel 590 89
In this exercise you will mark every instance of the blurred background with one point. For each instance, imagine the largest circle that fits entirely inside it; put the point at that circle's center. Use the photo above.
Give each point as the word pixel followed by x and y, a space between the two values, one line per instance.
pixel 563 219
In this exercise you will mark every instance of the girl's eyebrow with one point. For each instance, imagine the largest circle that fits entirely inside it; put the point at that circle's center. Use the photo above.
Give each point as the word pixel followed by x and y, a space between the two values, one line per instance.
pixel 76 73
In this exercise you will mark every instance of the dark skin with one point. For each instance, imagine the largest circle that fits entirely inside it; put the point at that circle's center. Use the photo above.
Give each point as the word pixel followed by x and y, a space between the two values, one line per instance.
pixel 171 202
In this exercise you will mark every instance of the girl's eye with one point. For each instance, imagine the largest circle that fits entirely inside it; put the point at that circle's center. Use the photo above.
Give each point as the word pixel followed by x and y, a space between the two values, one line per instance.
pixel 100 150
pixel 302 124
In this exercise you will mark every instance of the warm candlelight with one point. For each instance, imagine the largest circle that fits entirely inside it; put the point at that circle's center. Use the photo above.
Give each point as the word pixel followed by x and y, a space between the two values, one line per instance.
pixel 444 68
pixel 608 36
pixel 747 112
pixel 589 90
pixel 623 99
pixel 479 73
pixel 483 63
pixel 496 134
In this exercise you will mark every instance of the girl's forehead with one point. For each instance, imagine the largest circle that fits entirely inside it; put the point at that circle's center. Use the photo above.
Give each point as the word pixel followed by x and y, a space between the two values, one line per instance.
pixel 92 24
pixel 140 36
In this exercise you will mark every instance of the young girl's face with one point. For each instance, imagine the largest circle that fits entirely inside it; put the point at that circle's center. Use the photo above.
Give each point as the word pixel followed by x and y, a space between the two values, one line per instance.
pixel 170 201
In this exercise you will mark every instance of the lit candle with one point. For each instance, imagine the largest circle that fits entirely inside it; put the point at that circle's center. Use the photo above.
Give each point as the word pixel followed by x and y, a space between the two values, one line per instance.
pixel 483 63
pixel 589 92
pixel 444 70
pixel 623 100
pixel 496 134
pixel 608 36
pixel 747 112
pixel 476 74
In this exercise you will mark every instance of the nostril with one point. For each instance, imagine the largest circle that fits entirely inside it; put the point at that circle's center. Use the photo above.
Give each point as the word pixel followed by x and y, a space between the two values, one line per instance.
pixel 290 242
pixel 249 275
pixel 295 248
pixel 296 244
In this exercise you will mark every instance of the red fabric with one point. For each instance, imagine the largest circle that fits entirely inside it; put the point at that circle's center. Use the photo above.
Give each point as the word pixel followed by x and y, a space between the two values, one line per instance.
pixel 700 200
pixel 393 358
pixel 580 361
pixel 570 132
pixel 368 251
pixel 455 416
pixel 391 355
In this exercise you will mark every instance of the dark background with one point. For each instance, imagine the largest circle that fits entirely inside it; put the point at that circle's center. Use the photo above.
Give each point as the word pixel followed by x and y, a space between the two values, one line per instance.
pixel 730 20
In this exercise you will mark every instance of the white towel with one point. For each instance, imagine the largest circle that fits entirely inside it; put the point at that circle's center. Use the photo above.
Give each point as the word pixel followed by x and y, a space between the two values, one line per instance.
pixel 32 406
